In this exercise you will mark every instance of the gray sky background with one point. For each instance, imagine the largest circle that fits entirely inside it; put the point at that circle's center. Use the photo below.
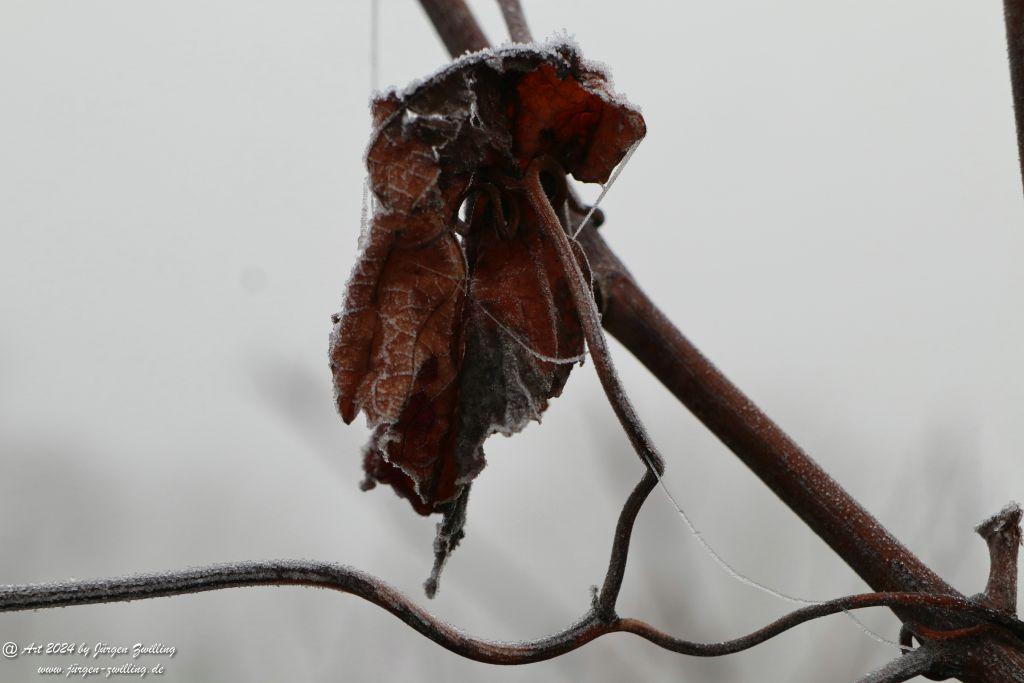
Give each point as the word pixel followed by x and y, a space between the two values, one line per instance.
pixel 827 203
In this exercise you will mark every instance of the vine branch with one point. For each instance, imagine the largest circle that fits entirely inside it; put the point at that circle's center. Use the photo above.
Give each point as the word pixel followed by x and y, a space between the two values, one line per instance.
pixel 455 24
pixel 590 318
pixel 600 620
pixel 515 20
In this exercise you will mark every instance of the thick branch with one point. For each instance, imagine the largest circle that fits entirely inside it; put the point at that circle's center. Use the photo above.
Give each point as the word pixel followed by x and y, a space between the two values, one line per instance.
pixel 456 25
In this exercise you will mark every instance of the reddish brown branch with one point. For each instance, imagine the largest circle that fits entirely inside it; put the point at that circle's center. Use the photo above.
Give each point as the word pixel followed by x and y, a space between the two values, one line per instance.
pixel 456 25
pixel 515 20
pixel 946 603
pixel 598 621
pixel 375 591
pixel 590 319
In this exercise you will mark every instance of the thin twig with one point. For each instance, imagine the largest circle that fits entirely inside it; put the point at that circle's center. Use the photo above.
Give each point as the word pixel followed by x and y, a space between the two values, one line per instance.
pixel 590 319
pixel 947 603
pixel 518 29
pixel 298 573
pixel 377 592
pixel 609 594
pixel 456 25
pixel 374 46
pixel 1014 14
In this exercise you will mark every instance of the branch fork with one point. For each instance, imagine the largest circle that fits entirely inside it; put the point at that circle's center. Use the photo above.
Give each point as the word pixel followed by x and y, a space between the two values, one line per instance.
pixel 947 653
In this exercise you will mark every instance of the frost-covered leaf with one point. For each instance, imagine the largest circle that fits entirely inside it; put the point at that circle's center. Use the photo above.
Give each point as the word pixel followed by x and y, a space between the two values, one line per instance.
pixel 455 330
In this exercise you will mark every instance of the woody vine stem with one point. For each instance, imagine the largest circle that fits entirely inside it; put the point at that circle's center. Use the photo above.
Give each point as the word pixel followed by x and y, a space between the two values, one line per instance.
pixel 976 639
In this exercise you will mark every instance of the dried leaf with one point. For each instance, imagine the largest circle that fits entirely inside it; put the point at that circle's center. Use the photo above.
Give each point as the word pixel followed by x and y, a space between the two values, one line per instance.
pixel 453 332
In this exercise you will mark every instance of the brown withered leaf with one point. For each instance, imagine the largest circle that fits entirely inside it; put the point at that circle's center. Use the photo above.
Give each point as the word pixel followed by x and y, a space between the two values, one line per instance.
pixel 455 330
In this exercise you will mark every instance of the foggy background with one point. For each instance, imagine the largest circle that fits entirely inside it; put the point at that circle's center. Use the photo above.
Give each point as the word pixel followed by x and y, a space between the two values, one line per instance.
pixel 827 203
